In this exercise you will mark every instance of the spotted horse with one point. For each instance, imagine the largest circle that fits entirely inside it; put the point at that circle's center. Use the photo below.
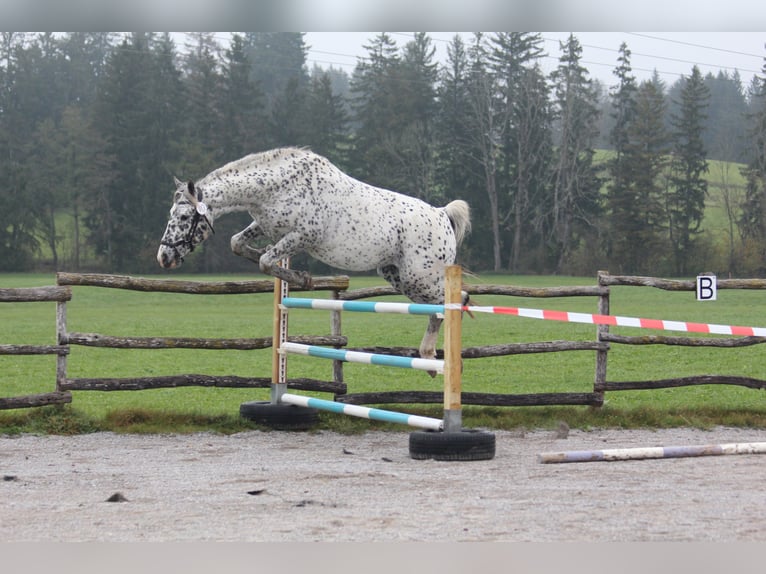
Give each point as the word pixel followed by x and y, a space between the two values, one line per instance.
pixel 303 203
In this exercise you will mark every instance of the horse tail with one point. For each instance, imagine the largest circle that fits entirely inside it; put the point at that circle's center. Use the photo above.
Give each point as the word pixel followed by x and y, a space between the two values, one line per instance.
pixel 460 217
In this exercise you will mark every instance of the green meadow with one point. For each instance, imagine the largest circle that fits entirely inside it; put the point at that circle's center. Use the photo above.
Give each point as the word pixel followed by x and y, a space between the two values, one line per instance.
pixel 129 313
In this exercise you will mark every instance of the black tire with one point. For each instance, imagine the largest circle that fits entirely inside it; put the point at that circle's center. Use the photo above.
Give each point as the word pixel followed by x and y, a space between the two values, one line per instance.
pixel 279 417
pixel 460 445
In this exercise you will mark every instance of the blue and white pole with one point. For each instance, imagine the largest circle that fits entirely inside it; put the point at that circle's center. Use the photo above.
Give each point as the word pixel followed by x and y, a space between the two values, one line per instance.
pixel 363 412
pixel 365 358
pixel 362 306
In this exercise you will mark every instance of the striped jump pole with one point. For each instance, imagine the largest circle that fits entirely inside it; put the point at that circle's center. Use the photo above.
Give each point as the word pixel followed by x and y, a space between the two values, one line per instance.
pixel 365 358
pixel 546 314
pixel 279 334
pixel 363 412
pixel 644 453
pixel 618 321
pixel 362 306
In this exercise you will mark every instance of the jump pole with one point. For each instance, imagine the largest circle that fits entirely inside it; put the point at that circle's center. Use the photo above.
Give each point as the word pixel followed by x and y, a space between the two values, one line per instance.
pixel 644 453
pixel 427 423
pixel 279 338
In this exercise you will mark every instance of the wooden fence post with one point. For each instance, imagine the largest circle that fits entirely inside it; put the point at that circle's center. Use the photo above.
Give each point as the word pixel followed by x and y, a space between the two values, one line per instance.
pixel 599 382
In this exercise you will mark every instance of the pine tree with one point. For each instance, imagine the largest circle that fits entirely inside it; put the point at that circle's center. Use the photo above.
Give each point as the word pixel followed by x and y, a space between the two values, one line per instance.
pixel 621 204
pixel 525 141
pixel 326 119
pixel 277 58
pixel 644 161
pixel 375 109
pixel 753 219
pixel 203 84
pixel 485 128
pixel 576 198
pixel 688 187
pixel 20 111
pixel 137 101
pixel 411 144
pixel 243 119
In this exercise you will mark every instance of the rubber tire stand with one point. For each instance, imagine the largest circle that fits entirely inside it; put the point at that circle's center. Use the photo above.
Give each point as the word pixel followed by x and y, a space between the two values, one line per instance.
pixel 280 417
pixel 462 445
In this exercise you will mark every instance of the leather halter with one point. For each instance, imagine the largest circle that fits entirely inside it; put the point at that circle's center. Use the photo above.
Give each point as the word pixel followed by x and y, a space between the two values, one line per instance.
pixel 187 241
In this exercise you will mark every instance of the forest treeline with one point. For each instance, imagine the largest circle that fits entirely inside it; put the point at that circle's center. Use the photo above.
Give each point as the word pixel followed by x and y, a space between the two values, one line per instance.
pixel 563 174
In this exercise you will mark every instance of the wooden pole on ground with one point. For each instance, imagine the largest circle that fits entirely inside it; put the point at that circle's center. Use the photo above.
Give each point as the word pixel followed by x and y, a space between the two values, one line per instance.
pixel 453 365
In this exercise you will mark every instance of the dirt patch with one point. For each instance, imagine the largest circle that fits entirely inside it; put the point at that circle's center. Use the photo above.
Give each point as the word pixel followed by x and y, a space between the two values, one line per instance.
pixel 274 486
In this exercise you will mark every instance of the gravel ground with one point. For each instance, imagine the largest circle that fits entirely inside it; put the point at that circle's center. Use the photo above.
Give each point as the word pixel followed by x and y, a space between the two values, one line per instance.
pixel 275 486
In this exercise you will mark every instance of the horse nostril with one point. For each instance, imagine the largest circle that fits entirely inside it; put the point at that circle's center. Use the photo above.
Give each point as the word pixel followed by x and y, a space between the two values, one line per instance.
pixel 164 261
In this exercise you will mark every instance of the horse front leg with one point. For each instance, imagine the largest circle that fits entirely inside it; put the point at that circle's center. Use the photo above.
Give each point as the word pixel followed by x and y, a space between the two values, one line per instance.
pixel 428 343
pixel 242 242
pixel 286 247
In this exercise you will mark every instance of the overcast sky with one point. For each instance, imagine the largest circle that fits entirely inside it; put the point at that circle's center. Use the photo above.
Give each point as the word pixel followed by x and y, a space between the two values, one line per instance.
pixel 672 54
pixel 727 34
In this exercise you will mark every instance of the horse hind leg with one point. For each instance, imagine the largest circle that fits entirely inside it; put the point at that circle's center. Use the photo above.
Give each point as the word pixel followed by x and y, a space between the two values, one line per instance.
pixel 286 247
pixel 428 343
pixel 391 274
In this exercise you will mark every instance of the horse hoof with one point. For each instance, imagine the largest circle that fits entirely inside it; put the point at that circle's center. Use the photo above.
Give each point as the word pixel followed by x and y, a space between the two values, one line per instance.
pixel 305 281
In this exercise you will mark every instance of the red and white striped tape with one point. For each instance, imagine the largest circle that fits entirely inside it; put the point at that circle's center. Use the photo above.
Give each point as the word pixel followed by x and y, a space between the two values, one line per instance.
pixel 595 319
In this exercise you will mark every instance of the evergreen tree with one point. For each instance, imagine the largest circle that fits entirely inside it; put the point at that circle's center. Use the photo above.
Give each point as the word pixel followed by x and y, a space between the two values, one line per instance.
pixel 203 85
pixel 411 145
pixel 375 110
pixel 645 159
pixel 576 198
pixel 85 55
pixel 453 175
pixel 135 108
pixel 753 219
pixel 288 116
pixel 277 58
pixel 326 120
pixel 244 122
pixel 22 210
pixel 485 129
pixel 456 175
pixel 688 186
pixel 525 141
pixel 621 204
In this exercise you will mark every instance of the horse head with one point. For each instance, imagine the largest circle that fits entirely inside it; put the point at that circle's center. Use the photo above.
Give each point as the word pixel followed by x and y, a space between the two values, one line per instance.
pixel 190 223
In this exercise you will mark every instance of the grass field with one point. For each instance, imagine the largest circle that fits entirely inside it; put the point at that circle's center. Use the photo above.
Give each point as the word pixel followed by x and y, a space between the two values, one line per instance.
pixel 125 313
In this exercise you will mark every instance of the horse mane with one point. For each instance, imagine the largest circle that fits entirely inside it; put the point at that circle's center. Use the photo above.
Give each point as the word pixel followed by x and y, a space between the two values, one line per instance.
pixel 259 158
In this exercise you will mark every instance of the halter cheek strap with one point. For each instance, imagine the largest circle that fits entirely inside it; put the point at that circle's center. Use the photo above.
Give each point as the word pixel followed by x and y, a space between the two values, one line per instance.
pixel 200 212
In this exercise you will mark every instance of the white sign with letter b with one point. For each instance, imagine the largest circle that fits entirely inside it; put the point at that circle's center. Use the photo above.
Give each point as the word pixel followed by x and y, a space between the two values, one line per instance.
pixel 707 288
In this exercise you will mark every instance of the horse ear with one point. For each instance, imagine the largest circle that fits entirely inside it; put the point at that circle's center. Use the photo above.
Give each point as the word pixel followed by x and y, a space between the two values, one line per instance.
pixel 194 195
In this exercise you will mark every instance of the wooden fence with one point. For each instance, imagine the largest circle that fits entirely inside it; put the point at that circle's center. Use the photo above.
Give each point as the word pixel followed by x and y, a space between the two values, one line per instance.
pixel 59 295
pixel 602 384
pixel 338 286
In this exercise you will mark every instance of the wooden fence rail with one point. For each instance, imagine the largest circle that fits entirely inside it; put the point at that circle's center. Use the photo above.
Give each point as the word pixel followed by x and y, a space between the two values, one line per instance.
pixel 191 288
pixel 58 295
pixel 606 280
